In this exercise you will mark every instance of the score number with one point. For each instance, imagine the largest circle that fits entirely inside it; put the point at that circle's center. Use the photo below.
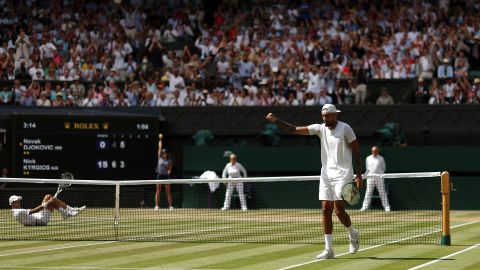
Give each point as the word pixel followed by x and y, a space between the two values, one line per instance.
pixel 106 164
pixel 103 144
pixel 110 164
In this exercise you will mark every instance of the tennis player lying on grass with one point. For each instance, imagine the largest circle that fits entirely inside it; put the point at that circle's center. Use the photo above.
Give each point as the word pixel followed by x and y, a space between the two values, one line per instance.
pixel 40 215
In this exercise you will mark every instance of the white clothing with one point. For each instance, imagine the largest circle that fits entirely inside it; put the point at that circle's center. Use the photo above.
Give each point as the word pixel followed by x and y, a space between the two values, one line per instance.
pixel 228 195
pixel 46 50
pixel 36 219
pixel 234 171
pixel 375 165
pixel 331 190
pixel 222 68
pixel 314 83
pixel 360 94
pixel 177 102
pixel 33 73
pixel 251 88
pixel 89 102
pixel 336 156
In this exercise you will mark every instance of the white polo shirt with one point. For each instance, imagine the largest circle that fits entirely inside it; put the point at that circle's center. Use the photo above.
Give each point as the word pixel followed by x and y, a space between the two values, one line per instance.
pixel 375 164
pixel 36 219
pixel 335 151
pixel 234 171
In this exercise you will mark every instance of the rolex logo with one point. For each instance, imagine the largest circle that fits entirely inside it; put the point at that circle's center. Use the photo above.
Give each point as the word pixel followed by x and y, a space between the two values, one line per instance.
pixel 67 125
pixel 105 126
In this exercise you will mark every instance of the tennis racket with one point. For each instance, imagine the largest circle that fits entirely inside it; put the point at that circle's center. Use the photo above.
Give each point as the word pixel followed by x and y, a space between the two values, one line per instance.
pixel 63 186
pixel 350 191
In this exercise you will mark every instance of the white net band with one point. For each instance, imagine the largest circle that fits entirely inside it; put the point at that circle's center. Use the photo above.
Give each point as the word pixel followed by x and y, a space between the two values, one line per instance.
pixel 419 175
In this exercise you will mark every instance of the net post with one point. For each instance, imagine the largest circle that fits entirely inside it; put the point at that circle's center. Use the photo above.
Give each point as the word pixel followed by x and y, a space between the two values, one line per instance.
pixel 117 207
pixel 445 189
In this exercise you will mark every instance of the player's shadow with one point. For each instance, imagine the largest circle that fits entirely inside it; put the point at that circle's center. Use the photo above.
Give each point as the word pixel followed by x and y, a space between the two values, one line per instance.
pixel 393 258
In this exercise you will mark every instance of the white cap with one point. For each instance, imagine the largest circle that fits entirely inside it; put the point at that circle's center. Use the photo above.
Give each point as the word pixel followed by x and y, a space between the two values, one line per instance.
pixel 329 108
pixel 14 198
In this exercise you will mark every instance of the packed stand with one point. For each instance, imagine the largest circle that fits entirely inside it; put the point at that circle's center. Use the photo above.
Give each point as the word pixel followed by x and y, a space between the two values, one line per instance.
pixel 285 53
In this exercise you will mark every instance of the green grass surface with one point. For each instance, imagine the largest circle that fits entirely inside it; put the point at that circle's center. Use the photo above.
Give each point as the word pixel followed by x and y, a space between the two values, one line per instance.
pixel 282 226
pixel 225 255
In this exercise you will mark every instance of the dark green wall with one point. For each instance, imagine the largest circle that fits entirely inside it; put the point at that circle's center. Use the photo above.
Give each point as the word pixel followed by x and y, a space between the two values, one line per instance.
pixel 465 193
pixel 304 160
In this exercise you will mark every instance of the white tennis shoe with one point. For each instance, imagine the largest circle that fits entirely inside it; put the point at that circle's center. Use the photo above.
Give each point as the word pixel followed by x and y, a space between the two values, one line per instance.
pixel 68 213
pixel 224 208
pixel 353 241
pixel 80 209
pixel 326 254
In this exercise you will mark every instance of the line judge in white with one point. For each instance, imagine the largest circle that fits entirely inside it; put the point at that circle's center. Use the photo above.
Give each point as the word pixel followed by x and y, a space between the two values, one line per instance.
pixel 234 169
pixel 375 163
pixel 338 143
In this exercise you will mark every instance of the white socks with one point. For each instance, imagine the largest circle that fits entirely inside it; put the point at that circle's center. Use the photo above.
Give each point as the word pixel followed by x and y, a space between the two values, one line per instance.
pixel 328 242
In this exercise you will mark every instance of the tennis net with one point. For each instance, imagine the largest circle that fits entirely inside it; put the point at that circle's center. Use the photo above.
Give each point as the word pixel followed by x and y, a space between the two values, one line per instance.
pixel 280 210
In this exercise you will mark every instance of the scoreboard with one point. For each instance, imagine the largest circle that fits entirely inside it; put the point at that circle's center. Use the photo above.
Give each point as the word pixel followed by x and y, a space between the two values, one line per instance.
pixel 90 147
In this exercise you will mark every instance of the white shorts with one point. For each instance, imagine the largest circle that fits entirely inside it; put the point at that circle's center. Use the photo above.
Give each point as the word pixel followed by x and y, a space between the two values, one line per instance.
pixel 331 190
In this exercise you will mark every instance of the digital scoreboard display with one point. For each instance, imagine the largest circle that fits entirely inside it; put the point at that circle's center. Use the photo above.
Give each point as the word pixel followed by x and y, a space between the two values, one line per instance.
pixel 90 147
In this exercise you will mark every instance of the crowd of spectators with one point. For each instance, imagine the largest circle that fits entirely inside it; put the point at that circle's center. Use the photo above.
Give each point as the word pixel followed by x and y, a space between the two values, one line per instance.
pixel 238 53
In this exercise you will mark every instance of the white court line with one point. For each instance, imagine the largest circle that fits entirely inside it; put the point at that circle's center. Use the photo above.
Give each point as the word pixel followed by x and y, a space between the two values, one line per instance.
pixel 108 242
pixel 444 257
pixel 58 248
pixel 376 246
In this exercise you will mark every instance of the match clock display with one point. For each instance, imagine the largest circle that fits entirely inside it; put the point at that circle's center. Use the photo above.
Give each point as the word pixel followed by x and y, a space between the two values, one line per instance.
pixel 90 147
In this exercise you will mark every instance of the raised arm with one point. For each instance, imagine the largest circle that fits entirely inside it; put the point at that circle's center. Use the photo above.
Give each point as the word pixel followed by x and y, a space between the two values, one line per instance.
pixel 160 144
pixel 287 127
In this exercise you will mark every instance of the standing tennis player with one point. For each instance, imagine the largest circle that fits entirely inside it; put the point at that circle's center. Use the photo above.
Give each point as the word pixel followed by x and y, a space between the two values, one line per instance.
pixel 40 215
pixel 338 143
